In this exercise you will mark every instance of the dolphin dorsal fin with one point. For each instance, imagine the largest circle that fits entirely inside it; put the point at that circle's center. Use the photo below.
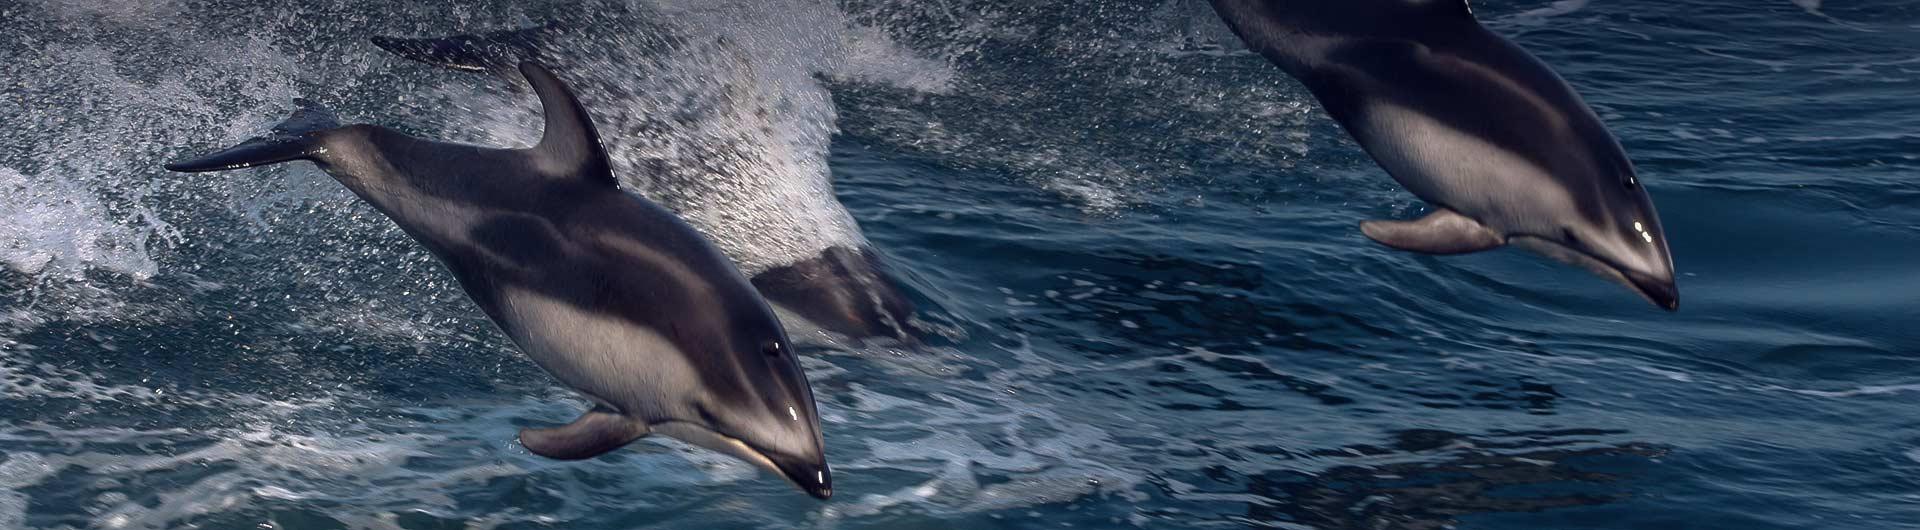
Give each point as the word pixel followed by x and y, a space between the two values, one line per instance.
pixel 568 146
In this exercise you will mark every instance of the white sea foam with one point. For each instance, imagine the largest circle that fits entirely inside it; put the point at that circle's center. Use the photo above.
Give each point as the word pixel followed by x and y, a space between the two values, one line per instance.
pixel 78 177
pixel 869 54
pixel 261 464
pixel 124 12
pixel 54 225
pixel 259 450
pixel 1863 391
pixel 1040 454
pixel 19 471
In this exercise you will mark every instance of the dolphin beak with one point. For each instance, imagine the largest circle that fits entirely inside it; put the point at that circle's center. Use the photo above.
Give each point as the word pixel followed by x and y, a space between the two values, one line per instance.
pixel 1661 291
pixel 810 474
pixel 1658 288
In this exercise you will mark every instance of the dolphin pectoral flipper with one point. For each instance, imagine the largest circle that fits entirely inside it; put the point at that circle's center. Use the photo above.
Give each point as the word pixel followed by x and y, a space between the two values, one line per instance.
pixel 1441 232
pixel 598 431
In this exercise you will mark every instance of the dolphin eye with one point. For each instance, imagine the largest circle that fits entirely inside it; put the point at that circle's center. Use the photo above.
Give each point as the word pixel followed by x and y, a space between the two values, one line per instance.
pixel 773 348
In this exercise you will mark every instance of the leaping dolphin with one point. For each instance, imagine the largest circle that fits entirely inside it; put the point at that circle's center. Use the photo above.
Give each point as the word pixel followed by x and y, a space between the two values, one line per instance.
pixel 830 279
pixel 616 297
pixel 1499 145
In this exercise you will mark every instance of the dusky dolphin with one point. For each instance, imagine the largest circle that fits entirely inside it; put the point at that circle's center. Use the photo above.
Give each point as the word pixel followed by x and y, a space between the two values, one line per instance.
pixel 613 295
pixel 834 282
pixel 1498 144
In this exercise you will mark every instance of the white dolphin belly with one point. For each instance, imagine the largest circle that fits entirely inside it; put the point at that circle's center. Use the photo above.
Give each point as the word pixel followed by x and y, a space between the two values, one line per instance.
pixel 604 357
pixel 1442 165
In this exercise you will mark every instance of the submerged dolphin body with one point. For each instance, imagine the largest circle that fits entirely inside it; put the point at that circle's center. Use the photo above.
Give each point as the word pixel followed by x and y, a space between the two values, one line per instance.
pixel 1498 144
pixel 613 295
pixel 840 286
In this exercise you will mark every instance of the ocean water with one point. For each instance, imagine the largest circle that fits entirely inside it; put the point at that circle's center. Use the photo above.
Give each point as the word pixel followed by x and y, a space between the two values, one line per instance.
pixel 1134 244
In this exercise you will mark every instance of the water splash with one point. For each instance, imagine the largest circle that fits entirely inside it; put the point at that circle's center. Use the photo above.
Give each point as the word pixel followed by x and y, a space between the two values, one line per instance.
pixel 54 226
pixel 716 110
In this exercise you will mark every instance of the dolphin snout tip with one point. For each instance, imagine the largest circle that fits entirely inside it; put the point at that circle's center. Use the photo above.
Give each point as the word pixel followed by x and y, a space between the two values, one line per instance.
pixel 810 474
pixel 1663 292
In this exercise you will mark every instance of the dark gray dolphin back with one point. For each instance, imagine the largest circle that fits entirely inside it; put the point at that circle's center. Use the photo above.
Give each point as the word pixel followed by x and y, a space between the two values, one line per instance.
pixel 1265 24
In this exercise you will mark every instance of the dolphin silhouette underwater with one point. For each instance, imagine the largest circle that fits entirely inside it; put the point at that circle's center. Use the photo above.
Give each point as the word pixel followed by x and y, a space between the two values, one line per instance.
pixel 616 297
pixel 1501 147
pixel 840 286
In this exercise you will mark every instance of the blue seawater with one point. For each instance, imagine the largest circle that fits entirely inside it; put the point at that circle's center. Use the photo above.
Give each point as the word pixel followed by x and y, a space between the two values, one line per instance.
pixel 1134 243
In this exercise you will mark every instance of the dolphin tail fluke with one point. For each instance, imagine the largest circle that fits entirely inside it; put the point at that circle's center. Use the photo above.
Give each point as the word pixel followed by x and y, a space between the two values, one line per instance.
pixel 1441 232
pixel 499 53
pixel 296 138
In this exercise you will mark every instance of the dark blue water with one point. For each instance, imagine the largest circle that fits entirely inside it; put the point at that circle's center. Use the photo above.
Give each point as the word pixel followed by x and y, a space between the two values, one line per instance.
pixel 1135 245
